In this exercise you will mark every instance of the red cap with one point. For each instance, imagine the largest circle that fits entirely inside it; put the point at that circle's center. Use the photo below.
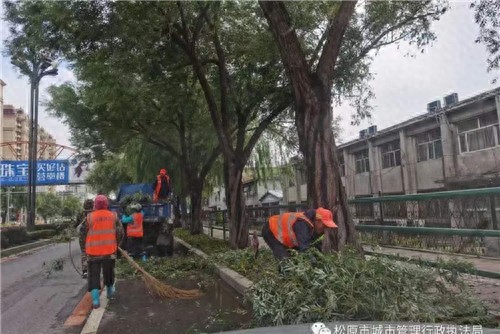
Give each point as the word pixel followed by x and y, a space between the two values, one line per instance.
pixel 163 171
pixel 101 202
pixel 326 217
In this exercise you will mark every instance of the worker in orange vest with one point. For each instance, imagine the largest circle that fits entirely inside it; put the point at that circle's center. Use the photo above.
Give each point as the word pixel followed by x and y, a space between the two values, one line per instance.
pixel 162 186
pixel 102 236
pixel 296 230
pixel 135 231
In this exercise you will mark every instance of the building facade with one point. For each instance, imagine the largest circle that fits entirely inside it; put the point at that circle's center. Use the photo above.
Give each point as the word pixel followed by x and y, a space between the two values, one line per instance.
pixel 15 130
pixel 454 147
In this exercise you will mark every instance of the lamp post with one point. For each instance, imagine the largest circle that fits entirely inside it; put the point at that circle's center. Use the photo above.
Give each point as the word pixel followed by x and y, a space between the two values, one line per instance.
pixel 40 69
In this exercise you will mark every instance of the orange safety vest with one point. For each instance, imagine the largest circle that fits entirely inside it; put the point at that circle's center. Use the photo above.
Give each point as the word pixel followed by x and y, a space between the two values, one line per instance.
pixel 101 235
pixel 135 229
pixel 282 227
pixel 158 186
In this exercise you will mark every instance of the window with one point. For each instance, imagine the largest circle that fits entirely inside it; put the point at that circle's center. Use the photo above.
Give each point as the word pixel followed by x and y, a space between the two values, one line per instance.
pixel 362 161
pixel 429 145
pixel 341 163
pixel 478 133
pixel 391 154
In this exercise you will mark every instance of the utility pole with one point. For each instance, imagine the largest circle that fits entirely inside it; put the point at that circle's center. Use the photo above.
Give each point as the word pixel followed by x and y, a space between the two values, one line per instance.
pixel 41 68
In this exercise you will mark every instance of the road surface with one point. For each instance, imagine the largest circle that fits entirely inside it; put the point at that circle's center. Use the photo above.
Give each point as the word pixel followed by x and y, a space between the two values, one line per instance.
pixel 36 298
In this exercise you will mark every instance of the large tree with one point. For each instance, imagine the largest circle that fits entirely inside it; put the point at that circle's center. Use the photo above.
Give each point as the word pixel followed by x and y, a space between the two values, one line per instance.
pixel 331 56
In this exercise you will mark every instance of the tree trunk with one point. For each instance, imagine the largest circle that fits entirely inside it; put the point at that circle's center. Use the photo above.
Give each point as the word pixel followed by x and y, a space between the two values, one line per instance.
pixel 324 184
pixel 196 226
pixel 238 224
pixel 184 216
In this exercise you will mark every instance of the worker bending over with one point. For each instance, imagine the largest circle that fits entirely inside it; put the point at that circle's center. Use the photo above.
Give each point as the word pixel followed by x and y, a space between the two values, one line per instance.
pixel 102 236
pixel 296 230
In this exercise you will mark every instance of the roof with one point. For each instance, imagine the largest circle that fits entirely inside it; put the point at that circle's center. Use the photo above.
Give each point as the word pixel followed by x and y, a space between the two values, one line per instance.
pixel 425 116
pixel 276 193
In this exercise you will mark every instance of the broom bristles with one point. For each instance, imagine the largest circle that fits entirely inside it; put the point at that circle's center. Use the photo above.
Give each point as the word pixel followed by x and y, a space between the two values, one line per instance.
pixel 159 288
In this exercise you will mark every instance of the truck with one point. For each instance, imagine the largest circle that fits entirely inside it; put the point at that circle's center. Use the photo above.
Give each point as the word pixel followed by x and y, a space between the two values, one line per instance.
pixel 158 225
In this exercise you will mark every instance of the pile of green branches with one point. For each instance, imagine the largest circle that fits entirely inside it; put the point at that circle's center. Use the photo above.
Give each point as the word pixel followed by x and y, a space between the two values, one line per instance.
pixel 316 287
pixel 244 262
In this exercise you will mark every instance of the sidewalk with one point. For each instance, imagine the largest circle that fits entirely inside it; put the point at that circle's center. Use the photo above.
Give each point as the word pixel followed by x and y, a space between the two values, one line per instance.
pixel 489 265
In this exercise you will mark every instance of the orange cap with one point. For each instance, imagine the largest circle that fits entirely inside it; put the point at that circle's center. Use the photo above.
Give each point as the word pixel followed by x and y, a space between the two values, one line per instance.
pixel 326 217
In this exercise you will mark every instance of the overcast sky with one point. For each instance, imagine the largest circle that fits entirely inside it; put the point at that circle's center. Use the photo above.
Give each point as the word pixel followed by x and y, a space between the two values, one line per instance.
pixel 402 85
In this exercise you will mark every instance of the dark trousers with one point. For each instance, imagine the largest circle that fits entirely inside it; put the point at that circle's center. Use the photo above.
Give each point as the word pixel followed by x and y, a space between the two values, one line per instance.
pixel 278 249
pixel 94 273
pixel 134 246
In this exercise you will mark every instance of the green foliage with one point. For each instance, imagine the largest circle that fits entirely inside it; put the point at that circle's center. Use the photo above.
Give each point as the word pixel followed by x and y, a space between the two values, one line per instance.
pixel 486 16
pixel 42 234
pixel 13 235
pixel 318 287
pixel 71 205
pixel 109 173
pixel 166 268
pixel 203 242
pixel 244 262
pixel 47 227
pixel 48 205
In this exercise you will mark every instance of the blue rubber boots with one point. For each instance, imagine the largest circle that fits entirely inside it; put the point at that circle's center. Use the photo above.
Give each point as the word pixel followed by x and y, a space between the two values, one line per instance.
pixel 95 298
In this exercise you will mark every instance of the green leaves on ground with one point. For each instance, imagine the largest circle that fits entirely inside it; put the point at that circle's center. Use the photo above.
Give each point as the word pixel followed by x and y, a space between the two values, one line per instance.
pixel 347 287
pixel 203 242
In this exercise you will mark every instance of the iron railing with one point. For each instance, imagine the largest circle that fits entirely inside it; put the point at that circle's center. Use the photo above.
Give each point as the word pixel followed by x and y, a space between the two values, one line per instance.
pixel 464 221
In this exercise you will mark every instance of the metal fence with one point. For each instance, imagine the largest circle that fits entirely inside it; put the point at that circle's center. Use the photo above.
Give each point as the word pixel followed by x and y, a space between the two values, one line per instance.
pixel 423 221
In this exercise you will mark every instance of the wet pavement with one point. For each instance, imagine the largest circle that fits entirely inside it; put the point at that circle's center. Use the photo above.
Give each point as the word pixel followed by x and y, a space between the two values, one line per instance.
pixel 40 289
pixel 134 310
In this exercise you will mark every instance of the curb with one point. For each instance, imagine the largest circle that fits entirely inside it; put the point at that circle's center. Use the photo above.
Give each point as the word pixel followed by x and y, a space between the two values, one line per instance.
pixel 95 317
pixel 238 282
pixel 18 249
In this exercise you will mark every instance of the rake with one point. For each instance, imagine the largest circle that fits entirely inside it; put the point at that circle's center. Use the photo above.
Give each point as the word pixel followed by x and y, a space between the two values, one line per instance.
pixel 159 288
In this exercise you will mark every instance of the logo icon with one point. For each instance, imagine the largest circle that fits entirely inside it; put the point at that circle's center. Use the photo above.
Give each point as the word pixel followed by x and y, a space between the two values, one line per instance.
pixel 320 328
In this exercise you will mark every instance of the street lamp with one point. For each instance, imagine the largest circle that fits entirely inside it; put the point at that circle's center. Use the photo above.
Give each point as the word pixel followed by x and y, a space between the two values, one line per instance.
pixel 42 68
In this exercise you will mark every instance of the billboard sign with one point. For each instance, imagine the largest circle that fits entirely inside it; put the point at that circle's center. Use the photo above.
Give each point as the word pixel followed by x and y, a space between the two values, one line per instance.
pixel 78 171
pixel 49 172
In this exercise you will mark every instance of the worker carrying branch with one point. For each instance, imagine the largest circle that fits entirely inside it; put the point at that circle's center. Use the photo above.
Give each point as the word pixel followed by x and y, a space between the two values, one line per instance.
pixel 162 186
pixel 296 230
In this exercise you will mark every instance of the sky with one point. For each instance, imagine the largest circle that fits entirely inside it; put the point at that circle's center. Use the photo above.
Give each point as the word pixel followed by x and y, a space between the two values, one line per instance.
pixel 403 86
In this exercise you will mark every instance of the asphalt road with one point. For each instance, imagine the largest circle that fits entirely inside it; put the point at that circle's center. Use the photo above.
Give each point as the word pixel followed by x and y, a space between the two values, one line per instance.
pixel 37 297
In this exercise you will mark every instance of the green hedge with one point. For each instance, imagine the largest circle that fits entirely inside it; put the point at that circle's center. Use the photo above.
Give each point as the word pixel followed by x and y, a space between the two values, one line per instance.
pixel 13 235
pixel 46 227
pixel 42 234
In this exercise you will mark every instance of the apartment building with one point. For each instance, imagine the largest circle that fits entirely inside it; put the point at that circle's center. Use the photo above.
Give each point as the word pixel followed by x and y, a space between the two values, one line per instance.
pixel 15 130
pixel 2 84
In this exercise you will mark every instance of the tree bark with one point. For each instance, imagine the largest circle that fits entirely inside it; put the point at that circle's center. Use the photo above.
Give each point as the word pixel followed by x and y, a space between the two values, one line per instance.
pixel 238 224
pixel 196 226
pixel 313 115
pixel 324 184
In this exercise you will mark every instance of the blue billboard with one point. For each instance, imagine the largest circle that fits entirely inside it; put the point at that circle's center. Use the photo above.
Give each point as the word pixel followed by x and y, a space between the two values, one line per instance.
pixel 49 172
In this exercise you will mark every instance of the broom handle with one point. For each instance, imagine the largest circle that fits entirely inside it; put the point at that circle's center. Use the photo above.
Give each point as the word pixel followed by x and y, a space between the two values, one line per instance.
pixel 130 260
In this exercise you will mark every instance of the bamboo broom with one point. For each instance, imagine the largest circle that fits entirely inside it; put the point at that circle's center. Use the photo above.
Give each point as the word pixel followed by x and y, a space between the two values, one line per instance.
pixel 158 288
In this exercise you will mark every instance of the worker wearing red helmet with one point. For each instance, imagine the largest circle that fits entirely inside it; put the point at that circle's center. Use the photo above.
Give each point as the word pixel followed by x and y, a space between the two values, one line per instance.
pixel 102 237
pixel 296 230
pixel 162 186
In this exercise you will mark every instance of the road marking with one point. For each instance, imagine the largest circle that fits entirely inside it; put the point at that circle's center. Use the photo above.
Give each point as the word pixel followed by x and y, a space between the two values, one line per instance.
pixel 95 317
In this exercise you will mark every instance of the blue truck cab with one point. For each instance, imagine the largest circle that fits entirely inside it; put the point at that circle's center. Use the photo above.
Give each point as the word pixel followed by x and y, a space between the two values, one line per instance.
pixel 158 224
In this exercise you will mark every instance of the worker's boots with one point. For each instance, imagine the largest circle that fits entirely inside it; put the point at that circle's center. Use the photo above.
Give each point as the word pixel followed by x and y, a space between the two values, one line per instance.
pixel 95 298
pixel 110 290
